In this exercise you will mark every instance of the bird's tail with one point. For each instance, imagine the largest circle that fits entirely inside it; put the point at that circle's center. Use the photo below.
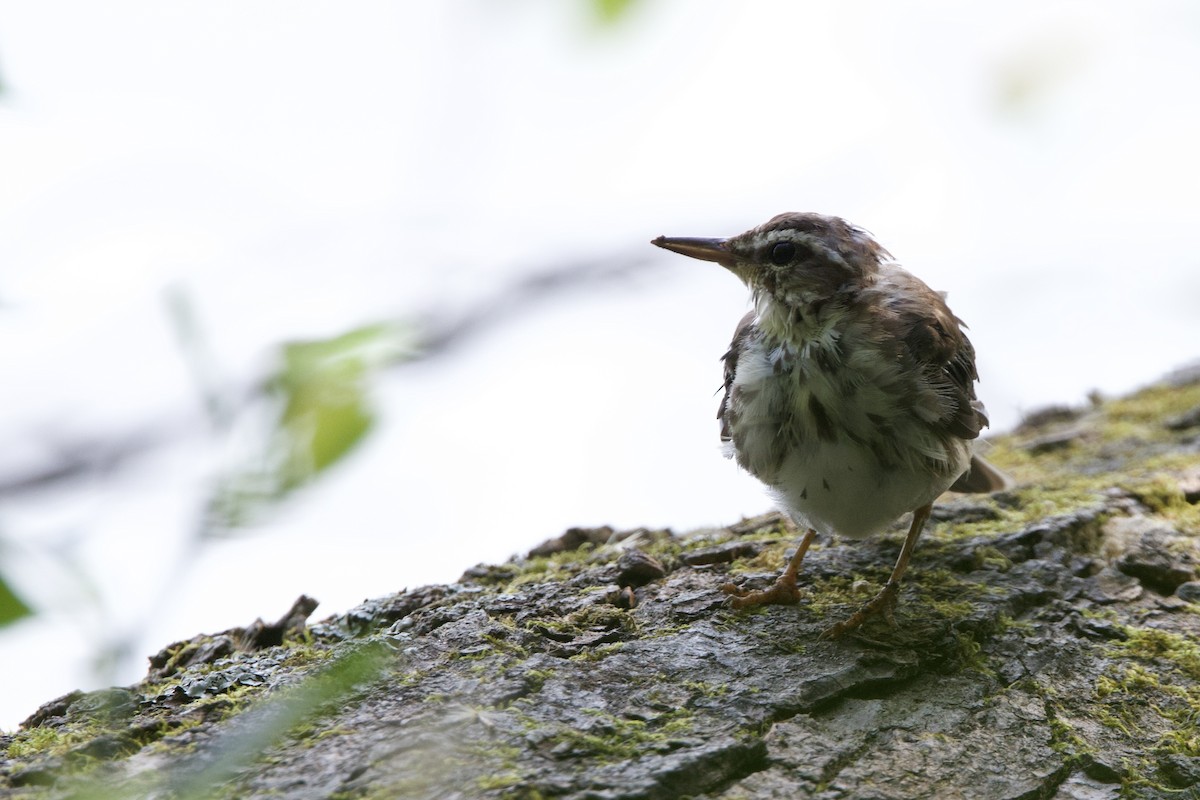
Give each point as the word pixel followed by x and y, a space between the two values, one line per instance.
pixel 981 477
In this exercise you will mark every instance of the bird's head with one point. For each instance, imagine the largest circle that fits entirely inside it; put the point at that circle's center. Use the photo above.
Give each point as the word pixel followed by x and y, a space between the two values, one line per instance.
pixel 795 259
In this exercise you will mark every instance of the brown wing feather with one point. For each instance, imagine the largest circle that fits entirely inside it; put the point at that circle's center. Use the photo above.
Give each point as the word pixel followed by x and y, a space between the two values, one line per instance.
pixel 981 477
pixel 744 330
pixel 944 355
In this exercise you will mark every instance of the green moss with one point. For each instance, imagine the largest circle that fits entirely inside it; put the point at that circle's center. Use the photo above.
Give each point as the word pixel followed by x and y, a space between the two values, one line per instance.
pixel 598 653
pixel 600 615
pixel 1148 698
pixel 495 751
pixel 1179 654
pixel 46 741
pixel 166 741
pixel 535 679
pixel 179 653
pixel 486 667
pixel 771 559
pixel 1093 612
pixel 825 595
pixel 1094 462
pixel 968 655
pixel 1006 623
pixel 990 558
pixel 295 656
pixel 1164 497
pixel 782 532
pixel 1066 740
pixel 234 700
pixel 705 689
pixel 374 793
pixel 410 677
pixel 768 636
pixel 1147 410
pixel 558 566
pixel 1169 462
pixel 505 645
pixel 668 549
pixel 500 780
pixel 613 738
pixel 523 793
pixel 310 733
pixel 1150 695
pixel 491 646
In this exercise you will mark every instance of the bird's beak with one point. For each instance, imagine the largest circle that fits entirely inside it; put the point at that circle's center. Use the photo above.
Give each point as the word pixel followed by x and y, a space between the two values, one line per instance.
pixel 704 249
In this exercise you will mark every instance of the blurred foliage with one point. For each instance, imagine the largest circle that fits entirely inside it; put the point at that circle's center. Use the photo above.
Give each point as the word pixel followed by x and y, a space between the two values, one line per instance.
pixel 197 355
pixel 12 608
pixel 282 713
pixel 318 397
pixel 1033 77
pixel 318 693
pixel 610 11
pixel 321 395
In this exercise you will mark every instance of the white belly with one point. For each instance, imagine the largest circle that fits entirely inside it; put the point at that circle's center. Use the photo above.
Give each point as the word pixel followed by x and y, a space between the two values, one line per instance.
pixel 822 474
pixel 840 488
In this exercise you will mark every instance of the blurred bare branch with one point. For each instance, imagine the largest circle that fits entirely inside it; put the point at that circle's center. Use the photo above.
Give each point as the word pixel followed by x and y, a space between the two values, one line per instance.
pixel 434 334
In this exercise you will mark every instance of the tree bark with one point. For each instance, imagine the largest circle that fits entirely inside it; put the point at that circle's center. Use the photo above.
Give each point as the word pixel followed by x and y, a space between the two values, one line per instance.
pixel 1046 647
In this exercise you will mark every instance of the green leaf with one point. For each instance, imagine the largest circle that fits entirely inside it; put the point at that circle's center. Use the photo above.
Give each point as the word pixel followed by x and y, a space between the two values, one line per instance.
pixel 322 390
pixel 610 11
pixel 325 408
pixel 12 608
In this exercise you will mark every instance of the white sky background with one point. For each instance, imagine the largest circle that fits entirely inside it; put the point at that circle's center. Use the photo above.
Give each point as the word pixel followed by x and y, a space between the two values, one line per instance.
pixel 302 168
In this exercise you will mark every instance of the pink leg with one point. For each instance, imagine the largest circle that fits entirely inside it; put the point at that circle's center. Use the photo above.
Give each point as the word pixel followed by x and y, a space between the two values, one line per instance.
pixel 783 591
pixel 885 601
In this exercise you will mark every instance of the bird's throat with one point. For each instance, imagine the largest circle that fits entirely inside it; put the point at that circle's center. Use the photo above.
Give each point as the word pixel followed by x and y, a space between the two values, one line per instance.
pixel 798 326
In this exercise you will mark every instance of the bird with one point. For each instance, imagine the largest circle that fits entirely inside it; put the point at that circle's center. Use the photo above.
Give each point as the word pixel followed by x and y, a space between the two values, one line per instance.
pixel 849 391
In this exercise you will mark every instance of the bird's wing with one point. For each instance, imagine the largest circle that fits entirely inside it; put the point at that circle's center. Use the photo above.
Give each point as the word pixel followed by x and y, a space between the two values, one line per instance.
pixel 943 355
pixel 744 330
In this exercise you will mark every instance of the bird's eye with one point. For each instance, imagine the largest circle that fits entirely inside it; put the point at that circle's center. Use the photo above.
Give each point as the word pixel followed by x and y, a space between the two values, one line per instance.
pixel 782 253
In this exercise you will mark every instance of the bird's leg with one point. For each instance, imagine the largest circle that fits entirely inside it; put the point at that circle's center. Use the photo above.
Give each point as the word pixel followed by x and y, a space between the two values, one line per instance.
pixel 783 591
pixel 885 601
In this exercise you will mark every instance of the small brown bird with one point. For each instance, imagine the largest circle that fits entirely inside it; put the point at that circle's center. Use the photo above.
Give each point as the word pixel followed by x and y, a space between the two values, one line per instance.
pixel 849 389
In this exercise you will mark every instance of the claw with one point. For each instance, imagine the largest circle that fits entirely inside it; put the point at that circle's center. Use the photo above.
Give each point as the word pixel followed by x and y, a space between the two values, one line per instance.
pixel 782 593
pixel 883 603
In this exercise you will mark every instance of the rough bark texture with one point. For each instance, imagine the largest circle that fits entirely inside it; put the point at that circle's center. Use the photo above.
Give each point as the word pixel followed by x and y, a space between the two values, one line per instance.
pixel 1046 648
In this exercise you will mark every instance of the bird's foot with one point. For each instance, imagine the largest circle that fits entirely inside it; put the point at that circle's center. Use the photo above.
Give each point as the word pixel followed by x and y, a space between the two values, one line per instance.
pixel 782 592
pixel 882 603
